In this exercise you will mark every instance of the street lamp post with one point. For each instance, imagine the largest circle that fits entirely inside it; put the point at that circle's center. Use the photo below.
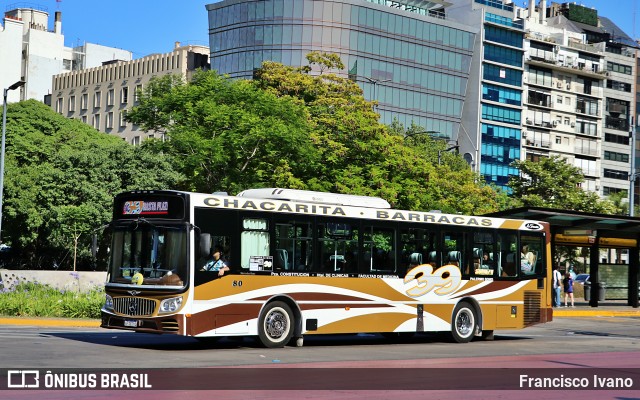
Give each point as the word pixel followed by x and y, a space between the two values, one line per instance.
pixel 4 131
pixel 376 82
pixel 436 136
pixel 632 174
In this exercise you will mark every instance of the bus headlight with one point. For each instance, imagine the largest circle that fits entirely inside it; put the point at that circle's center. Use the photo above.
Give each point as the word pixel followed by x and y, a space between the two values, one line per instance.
pixel 108 302
pixel 170 305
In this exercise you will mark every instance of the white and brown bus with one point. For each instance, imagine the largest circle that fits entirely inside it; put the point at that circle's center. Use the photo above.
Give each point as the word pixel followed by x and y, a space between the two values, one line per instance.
pixel 310 263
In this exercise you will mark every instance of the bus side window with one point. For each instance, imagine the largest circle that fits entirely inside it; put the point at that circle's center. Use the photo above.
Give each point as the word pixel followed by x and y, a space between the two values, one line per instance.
pixel 254 240
pixel 509 255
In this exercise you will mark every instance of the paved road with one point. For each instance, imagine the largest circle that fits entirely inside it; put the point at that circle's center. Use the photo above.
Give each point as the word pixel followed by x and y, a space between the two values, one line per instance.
pixel 578 343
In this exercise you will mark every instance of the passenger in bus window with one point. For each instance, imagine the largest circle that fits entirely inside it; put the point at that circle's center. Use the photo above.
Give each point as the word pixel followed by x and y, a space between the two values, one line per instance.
pixel 487 262
pixel 527 260
pixel 216 263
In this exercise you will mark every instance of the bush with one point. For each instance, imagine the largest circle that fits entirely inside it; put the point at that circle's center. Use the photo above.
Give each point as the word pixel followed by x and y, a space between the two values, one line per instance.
pixel 32 299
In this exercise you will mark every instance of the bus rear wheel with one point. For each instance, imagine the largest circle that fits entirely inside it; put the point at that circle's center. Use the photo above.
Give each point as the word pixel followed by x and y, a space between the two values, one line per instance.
pixel 275 326
pixel 463 324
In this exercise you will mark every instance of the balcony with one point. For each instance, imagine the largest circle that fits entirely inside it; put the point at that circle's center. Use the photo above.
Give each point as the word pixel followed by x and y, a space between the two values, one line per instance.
pixel 538 143
pixel 586 111
pixel 616 123
pixel 586 151
pixel 536 101
pixel 585 47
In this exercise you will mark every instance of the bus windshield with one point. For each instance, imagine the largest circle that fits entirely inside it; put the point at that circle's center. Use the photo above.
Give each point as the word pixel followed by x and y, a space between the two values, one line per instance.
pixel 144 254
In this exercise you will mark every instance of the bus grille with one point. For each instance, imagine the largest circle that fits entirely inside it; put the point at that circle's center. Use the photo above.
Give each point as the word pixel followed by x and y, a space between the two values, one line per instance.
pixel 134 306
pixel 531 308
pixel 170 326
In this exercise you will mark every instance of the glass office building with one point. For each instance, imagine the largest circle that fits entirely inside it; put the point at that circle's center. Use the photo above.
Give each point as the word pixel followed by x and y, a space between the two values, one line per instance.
pixel 403 54
pixel 495 101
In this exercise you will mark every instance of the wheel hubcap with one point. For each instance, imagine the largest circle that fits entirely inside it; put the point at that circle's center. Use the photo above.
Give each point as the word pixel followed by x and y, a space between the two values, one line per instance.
pixel 276 325
pixel 464 324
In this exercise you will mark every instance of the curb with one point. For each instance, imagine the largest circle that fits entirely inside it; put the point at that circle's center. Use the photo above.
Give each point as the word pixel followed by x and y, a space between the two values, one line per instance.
pixel 595 313
pixel 67 322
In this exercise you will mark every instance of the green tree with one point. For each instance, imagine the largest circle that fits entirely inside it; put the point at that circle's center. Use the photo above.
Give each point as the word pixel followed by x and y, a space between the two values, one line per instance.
pixel 362 156
pixel 60 179
pixel 551 182
pixel 227 135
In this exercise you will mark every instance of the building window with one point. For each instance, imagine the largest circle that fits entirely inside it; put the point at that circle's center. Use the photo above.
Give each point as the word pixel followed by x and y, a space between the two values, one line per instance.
pixel 124 95
pixel 84 99
pixel 615 67
pixel 588 167
pixel 96 121
pixel 97 99
pixel 123 115
pixel 606 191
pixel 559 100
pixel 110 97
pixel 136 96
pixel 558 139
pixel 501 114
pixel 72 103
pixel 614 156
pixel 109 122
pixel 614 174
pixel 135 141
pixel 59 105
pixel 620 139
pixel 83 119
pixel 540 77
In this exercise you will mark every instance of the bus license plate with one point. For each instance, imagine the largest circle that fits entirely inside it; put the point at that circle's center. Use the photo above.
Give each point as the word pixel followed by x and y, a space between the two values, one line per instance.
pixel 131 323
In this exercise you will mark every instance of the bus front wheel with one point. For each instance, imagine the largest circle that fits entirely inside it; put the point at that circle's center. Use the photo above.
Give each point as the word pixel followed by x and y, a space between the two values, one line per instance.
pixel 275 325
pixel 463 324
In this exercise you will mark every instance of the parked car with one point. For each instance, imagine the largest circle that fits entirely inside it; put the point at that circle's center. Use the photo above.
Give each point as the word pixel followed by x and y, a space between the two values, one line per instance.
pixel 582 279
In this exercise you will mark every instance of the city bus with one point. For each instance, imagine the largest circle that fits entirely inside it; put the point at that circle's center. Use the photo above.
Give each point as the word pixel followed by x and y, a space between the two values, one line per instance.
pixel 310 263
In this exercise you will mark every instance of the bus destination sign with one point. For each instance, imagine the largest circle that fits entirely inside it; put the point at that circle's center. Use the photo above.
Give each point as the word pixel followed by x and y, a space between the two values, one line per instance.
pixel 139 207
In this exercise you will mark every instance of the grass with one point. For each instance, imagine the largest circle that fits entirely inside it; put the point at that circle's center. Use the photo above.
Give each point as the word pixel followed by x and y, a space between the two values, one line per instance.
pixel 33 299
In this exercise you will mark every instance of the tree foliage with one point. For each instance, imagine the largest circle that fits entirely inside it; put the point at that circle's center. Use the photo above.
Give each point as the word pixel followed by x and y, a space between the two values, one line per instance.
pixel 227 135
pixel 551 182
pixel 303 128
pixel 362 156
pixel 60 179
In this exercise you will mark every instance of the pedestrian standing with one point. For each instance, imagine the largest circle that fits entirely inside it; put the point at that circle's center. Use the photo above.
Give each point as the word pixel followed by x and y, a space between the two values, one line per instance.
pixel 557 287
pixel 568 289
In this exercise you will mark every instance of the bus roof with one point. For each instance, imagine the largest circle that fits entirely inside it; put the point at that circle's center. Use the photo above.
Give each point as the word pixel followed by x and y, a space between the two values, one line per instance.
pixel 308 196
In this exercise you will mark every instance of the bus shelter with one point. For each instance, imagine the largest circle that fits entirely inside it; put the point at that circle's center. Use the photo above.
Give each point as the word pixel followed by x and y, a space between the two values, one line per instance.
pixel 596 232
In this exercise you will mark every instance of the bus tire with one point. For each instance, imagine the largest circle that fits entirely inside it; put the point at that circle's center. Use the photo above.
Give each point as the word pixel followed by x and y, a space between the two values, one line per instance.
pixel 463 323
pixel 275 325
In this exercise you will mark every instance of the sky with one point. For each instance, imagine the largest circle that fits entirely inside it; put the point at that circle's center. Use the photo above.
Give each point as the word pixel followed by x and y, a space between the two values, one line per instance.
pixel 145 27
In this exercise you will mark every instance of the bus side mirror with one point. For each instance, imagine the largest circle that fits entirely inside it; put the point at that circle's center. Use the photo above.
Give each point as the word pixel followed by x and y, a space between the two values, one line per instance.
pixel 205 244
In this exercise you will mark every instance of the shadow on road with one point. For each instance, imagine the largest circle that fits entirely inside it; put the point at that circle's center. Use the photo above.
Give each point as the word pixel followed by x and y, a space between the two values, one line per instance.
pixel 179 343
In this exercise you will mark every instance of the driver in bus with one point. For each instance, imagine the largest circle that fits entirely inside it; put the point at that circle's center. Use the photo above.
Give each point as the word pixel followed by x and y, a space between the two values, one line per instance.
pixel 216 263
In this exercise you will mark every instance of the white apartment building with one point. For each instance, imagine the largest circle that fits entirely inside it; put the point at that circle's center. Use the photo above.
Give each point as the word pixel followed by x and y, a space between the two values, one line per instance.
pixel 578 95
pixel 101 96
pixel 33 53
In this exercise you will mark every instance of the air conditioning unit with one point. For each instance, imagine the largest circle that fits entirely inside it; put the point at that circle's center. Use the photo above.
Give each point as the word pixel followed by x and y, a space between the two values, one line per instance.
pixel 529 122
pixel 524 135
pixel 573 124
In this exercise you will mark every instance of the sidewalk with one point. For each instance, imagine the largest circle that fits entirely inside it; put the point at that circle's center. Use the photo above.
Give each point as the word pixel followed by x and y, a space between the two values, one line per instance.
pixel 607 308
pixel 50 322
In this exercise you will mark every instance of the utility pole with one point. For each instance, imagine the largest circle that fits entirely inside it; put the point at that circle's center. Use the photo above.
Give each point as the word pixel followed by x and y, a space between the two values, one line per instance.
pixel 4 131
